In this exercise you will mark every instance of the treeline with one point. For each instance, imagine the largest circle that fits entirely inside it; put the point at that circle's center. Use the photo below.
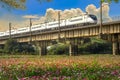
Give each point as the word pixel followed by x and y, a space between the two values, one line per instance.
pixel 13 47
pixel 87 46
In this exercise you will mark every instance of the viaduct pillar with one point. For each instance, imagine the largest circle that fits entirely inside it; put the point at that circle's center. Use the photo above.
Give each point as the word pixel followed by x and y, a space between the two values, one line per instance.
pixel 119 47
pixel 41 47
pixel 115 45
pixel 73 47
pixel 43 50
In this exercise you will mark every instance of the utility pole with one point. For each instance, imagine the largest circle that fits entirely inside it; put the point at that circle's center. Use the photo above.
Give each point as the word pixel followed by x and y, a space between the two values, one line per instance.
pixel 59 26
pixel 100 29
pixel 10 30
pixel 30 30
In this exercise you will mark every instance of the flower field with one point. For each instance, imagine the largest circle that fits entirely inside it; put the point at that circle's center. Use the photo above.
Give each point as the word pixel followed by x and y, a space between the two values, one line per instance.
pixel 83 67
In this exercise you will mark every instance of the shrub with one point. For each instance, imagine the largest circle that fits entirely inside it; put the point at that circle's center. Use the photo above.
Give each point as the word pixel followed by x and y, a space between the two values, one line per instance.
pixel 11 46
pixel 59 48
pixel 14 47
pixel 96 46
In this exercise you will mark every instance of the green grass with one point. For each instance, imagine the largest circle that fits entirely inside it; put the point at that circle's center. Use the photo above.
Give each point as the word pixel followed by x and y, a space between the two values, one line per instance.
pixel 63 67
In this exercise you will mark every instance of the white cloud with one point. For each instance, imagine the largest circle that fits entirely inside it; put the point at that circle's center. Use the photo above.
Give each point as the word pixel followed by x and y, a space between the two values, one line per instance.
pixel 30 16
pixel 52 14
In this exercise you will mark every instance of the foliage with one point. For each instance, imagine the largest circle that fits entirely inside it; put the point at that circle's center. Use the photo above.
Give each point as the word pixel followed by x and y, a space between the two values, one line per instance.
pixel 86 40
pixel 65 73
pixel 88 45
pixel 87 67
pixel 26 48
pixel 20 4
pixel 13 47
pixel 1 51
pixel 109 1
pixel 59 49
pixel 17 4
pixel 95 46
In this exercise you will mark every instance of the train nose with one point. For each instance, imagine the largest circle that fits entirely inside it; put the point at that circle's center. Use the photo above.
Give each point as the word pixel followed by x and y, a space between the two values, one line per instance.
pixel 95 21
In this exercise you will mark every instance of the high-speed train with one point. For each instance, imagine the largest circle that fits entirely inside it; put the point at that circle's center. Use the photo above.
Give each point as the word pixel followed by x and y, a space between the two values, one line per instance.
pixel 85 19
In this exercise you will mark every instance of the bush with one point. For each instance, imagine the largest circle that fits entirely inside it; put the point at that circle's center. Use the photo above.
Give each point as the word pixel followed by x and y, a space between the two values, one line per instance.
pixel 1 51
pixel 13 47
pixel 96 46
pixel 26 48
pixel 59 49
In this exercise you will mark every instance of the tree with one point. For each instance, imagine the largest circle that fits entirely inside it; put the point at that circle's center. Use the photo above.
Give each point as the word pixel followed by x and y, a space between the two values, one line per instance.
pixel 17 4
pixel 14 47
pixel 95 46
pixel 109 1
pixel 11 46
pixel 58 49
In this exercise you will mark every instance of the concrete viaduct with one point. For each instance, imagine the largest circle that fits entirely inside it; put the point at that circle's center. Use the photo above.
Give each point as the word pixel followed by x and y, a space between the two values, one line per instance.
pixel 71 35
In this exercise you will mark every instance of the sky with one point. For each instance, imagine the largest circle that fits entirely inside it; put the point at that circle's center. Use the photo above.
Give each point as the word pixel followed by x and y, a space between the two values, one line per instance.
pixel 33 7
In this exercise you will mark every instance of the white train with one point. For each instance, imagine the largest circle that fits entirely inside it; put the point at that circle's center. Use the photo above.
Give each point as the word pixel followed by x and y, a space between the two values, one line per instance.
pixel 86 19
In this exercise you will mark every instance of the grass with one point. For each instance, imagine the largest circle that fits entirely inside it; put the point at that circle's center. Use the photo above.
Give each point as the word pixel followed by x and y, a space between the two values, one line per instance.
pixel 54 67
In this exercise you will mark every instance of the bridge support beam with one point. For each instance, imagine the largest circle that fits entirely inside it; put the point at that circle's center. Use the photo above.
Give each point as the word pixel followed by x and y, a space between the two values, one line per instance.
pixel 115 45
pixel 73 48
pixel 115 48
pixel 41 48
pixel 119 47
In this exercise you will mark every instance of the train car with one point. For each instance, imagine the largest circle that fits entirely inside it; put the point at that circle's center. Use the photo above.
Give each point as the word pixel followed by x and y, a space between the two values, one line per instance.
pixel 52 25
pixel 85 19
pixel 36 27
pixel 55 24
pixel 13 32
pixel 39 27
pixel 94 18
pixel 63 23
pixel 2 34
pixel 22 30
pixel 8 33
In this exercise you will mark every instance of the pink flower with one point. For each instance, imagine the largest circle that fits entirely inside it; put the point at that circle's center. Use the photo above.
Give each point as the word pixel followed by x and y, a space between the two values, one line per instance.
pixel 85 79
pixel 116 72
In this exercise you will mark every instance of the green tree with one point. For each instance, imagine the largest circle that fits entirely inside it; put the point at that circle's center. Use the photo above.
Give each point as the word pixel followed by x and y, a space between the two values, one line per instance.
pixel 109 1
pixel 14 47
pixel 26 49
pixel 20 4
pixel 58 49
pixel 95 46
pixel 11 46
pixel 17 4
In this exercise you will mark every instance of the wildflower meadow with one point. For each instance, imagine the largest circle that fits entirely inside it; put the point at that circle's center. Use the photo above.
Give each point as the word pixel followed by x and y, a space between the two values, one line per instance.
pixel 83 67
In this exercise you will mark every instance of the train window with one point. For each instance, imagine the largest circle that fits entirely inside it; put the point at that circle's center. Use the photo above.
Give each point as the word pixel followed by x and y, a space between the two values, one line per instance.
pixel 93 17
pixel 36 27
pixel 22 30
pixel 76 20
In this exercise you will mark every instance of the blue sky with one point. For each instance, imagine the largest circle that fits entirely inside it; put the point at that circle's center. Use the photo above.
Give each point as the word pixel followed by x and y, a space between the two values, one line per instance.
pixel 36 8
pixel 33 7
